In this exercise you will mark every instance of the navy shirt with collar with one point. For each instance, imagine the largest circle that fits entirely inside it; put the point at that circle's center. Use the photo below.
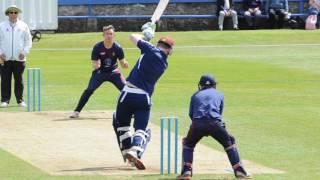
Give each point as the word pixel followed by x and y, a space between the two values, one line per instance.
pixel 149 68
pixel 108 57
pixel 206 104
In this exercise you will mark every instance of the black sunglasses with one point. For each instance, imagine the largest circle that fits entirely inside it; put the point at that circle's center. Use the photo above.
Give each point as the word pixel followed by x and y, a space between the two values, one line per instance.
pixel 13 12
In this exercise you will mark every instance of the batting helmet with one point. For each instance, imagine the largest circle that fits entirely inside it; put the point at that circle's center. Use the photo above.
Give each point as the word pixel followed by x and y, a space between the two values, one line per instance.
pixel 168 41
pixel 206 81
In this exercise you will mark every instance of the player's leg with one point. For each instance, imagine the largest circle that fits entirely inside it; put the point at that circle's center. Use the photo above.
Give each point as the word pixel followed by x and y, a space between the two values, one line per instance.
pixel 117 79
pixel 221 20
pixel 18 69
pixel 248 17
pixel 116 125
pixel 256 19
pixel 121 124
pixel 219 133
pixel 141 136
pixel 196 132
pixel 6 78
pixel 234 19
pixel 95 81
pixel 272 18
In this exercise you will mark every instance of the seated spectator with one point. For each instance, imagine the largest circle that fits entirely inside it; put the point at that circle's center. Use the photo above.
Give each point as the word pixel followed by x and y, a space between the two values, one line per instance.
pixel 314 7
pixel 278 13
pixel 252 12
pixel 224 9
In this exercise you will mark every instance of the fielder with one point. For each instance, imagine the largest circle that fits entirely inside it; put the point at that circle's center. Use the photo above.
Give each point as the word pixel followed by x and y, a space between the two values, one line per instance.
pixel 135 98
pixel 105 56
pixel 205 111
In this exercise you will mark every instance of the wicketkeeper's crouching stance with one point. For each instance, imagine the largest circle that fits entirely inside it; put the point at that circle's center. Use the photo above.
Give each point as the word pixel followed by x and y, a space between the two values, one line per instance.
pixel 205 111
pixel 135 98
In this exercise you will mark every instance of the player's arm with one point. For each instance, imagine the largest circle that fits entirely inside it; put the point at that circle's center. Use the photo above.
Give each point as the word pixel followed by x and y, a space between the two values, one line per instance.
pixel 2 55
pixel 124 63
pixel 316 3
pixel 135 38
pixel 96 64
pixel 221 106
pixel 143 45
pixel 191 108
pixel 120 55
pixel 311 2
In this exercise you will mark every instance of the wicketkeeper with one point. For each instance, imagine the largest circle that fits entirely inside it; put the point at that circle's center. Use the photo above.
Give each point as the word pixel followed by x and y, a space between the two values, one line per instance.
pixel 205 111
pixel 135 98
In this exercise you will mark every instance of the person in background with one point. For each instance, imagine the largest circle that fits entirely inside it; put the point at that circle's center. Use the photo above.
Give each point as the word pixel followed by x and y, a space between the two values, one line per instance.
pixel 314 7
pixel 15 44
pixel 252 12
pixel 278 13
pixel 225 10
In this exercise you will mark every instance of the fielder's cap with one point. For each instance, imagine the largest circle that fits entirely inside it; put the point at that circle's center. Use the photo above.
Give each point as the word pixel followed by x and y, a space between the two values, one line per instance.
pixel 12 8
pixel 167 40
pixel 207 80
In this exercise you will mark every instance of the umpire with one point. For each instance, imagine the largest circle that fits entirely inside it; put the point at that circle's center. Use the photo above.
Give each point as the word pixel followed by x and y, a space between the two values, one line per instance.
pixel 205 111
pixel 15 44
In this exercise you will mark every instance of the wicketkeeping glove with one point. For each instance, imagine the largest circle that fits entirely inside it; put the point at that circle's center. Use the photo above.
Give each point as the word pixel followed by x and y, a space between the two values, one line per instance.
pixel 148 30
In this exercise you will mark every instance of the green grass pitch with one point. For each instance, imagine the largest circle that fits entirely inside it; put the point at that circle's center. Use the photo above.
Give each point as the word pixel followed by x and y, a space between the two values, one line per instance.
pixel 271 82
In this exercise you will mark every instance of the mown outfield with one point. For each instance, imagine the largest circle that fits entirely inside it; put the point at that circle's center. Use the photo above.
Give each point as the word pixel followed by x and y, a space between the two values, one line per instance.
pixel 271 82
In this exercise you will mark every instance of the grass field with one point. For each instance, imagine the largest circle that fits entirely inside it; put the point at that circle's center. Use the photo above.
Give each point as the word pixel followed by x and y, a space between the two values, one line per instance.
pixel 271 82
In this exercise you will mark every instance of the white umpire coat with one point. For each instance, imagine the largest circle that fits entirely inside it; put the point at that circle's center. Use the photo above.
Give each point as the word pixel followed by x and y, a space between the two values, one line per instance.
pixel 15 39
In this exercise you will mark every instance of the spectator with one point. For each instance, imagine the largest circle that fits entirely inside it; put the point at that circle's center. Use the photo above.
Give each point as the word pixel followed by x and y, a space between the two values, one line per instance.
pixel 224 9
pixel 15 43
pixel 278 13
pixel 314 7
pixel 252 12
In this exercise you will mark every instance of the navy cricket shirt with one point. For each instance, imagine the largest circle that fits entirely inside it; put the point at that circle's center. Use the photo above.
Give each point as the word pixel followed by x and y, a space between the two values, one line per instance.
pixel 108 57
pixel 149 68
pixel 206 104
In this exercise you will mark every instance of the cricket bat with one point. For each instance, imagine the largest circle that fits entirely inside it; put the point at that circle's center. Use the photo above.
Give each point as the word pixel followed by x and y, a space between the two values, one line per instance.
pixel 159 10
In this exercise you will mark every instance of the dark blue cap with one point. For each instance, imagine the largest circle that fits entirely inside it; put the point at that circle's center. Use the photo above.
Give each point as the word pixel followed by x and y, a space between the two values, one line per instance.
pixel 207 80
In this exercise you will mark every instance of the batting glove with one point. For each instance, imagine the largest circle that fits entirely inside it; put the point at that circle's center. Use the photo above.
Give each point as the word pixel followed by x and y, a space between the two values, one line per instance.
pixel 148 30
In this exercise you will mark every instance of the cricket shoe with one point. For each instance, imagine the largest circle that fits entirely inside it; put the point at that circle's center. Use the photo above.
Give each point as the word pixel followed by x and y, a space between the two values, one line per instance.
pixel 4 104
pixel 240 173
pixel 133 159
pixel 75 114
pixel 185 176
pixel 22 104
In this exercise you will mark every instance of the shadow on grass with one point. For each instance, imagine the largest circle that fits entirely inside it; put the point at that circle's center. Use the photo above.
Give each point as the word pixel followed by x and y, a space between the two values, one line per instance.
pixel 82 119
pixel 119 168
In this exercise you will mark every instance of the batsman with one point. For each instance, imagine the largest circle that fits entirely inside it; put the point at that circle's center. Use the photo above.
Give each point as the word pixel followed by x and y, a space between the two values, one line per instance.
pixel 135 98
pixel 205 111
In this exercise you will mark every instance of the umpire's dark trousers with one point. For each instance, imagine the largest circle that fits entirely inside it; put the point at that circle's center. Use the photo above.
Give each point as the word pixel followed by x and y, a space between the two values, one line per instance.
pixel 15 68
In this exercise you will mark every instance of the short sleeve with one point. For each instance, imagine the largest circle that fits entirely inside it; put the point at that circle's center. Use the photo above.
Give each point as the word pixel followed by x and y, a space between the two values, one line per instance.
pixel 120 53
pixel 95 53
pixel 144 46
pixel 191 108
pixel 222 105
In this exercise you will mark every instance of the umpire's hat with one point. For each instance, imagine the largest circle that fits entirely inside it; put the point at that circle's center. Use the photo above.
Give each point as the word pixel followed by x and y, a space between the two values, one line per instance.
pixel 12 8
pixel 206 81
